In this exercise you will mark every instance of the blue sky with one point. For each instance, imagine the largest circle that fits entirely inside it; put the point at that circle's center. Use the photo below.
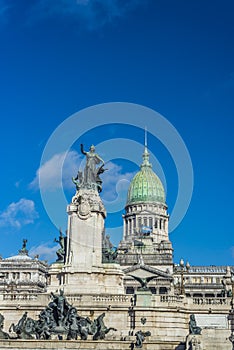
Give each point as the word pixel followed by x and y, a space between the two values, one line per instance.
pixel 175 57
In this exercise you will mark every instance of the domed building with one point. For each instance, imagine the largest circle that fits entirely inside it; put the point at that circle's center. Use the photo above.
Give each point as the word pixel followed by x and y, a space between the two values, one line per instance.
pixel 137 287
pixel 145 242
pixel 22 276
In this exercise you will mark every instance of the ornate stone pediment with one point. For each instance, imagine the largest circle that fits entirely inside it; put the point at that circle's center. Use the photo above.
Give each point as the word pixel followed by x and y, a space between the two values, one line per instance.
pixel 145 271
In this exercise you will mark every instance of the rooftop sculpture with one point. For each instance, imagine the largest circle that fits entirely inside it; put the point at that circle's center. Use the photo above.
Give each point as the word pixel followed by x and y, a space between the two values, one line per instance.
pixel 143 281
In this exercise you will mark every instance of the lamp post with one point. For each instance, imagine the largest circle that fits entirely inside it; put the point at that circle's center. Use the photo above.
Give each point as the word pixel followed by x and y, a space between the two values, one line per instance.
pixel 183 268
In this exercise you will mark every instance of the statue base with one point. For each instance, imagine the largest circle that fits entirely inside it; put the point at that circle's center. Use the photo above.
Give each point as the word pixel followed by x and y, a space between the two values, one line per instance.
pixel 143 298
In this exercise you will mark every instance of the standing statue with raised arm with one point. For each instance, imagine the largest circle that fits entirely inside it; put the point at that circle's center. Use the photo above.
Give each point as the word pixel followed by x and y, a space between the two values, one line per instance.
pixel 92 159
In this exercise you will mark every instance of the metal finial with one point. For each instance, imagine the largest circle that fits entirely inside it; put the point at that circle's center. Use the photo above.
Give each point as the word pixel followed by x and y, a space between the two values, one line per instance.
pixel 145 137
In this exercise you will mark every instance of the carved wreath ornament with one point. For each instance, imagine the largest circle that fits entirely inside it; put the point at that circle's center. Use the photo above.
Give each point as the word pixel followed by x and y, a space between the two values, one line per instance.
pixel 84 209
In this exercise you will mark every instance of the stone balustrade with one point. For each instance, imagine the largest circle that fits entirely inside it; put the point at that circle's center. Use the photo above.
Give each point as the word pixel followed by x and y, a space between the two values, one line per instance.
pixel 171 298
pixel 210 301
pixel 119 299
pixel 19 296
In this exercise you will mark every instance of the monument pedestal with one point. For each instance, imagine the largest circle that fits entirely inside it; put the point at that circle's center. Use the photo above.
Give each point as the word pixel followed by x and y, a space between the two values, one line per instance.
pixel 83 270
pixel 143 298
pixel 113 278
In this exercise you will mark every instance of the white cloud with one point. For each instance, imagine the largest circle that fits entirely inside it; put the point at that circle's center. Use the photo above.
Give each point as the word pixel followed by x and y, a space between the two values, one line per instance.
pixel 115 181
pixel 60 166
pixel 115 187
pixel 45 251
pixel 64 166
pixel 19 214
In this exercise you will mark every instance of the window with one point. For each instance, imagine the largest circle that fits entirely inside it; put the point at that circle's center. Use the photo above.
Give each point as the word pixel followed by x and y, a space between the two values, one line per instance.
pixel 153 290
pixel 139 222
pixel 151 222
pixel 129 290
pixel 162 290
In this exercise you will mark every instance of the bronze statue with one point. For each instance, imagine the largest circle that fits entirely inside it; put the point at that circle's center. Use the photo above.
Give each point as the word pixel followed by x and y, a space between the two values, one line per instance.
pixel 92 159
pixel 59 318
pixel 25 328
pixel 60 306
pixel 140 337
pixel 101 329
pixel 62 250
pixel 193 328
pixel 109 252
pixel 23 250
pixel 91 176
pixel 3 335
pixel 143 281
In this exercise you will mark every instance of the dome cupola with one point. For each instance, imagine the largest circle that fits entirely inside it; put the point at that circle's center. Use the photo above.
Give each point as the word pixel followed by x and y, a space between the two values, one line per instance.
pixel 145 186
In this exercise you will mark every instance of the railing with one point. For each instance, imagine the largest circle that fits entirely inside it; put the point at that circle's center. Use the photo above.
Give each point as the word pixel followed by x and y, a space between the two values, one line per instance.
pixel 111 298
pixel 72 298
pixel 20 296
pixel 210 301
pixel 171 298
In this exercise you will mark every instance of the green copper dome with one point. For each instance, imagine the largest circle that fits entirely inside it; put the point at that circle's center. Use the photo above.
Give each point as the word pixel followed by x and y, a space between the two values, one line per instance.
pixel 145 186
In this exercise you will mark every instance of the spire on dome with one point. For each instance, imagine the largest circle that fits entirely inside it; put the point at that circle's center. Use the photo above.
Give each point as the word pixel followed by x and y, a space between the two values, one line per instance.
pixel 145 155
pixel 145 137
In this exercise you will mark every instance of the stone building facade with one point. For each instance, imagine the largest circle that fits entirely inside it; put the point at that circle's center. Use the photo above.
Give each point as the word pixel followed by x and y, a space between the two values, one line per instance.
pixel 139 289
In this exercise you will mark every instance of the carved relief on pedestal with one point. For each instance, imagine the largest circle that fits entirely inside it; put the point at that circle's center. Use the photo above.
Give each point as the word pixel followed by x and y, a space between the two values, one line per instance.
pixel 87 201
pixel 84 210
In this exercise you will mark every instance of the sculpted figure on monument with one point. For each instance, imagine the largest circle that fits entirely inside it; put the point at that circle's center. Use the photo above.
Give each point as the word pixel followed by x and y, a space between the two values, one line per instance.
pixel 91 173
pixel 79 326
pixel 60 307
pixel 3 335
pixel 193 328
pixel 100 329
pixel 140 337
pixel 23 250
pixel 92 159
pixel 45 324
pixel 78 180
pixel 62 250
pixel 25 328
pixel 109 252
pixel 143 281
pixel 59 318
